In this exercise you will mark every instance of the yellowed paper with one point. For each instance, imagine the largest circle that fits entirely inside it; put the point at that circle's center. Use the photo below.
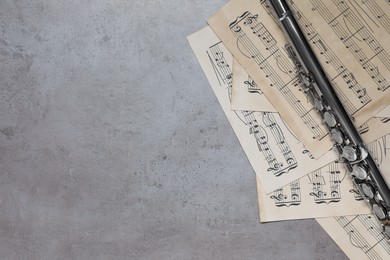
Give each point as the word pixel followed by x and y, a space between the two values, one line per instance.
pixel 358 236
pixel 246 94
pixel 257 43
pixel 370 131
pixel 328 191
pixel 274 152
pixel 359 33
pixel 325 192
pixel 373 246
pixel 384 113
pixel 374 128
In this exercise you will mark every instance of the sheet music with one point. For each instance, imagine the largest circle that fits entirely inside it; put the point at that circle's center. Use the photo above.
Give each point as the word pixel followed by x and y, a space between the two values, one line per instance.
pixel 256 41
pixel 360 29
pixel 370 131
pixel 325 192
pixel 359 236
pixel 384 112
pixel 276 155
pixel 246 94
pixel 374 128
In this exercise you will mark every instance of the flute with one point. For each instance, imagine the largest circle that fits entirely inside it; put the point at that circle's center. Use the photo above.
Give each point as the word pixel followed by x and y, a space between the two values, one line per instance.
pixel 346 138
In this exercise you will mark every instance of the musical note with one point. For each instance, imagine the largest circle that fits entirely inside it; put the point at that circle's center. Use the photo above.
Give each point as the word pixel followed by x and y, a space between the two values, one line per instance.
pixel 252 86
pixel 269 135
pixel 357 95
pixel 266 129
pixel 384 119
pixel 354 44
pixel 308 153
pixel 363 128
pixel 288 196
pixel 281 142
pixel 363 233
pixel 260 47
pixel 326 188
pixel 356 193
pixel 268 41
pixel 378 14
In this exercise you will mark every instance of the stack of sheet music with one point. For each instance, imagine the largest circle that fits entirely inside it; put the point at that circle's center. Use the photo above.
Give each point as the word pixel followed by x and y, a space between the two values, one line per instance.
pixel 298 174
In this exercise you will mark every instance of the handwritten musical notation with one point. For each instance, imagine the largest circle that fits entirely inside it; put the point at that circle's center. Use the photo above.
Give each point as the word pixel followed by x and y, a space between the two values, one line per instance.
pixel 277 157
pixel 246 29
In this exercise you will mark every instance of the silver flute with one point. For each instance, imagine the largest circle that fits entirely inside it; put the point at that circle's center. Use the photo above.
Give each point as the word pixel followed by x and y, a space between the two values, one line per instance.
pixel 346 138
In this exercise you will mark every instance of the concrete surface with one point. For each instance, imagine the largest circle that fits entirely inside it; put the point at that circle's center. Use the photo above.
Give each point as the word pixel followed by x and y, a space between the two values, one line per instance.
pixel 113 146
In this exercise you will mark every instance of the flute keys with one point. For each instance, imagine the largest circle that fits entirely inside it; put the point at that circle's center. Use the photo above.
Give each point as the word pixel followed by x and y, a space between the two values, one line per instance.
pixel 359 172
pixel 330 119
pixel 368 190
pixel 337 136
pixel 379 211
pixel 350 153
pixel 363 153
pixel 318 104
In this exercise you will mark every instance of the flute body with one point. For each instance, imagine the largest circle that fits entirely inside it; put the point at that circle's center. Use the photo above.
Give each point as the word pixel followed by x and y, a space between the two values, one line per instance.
pixel 347 140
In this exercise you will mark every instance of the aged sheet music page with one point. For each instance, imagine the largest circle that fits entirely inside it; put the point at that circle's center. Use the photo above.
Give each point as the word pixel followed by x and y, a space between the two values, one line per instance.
pixel 257 42
pixel 328 191
pixel 360 236
pixel 275 154
pixel 384 113
pixel 361 29
pixel 363 240
pixel 373 129
pixel 246 94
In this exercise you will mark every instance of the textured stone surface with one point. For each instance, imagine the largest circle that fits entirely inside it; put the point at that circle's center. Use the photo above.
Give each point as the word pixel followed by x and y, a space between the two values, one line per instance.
pixel 113 146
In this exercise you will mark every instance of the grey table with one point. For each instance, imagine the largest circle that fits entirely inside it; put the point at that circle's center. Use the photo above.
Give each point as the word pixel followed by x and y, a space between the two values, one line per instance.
pixel 113 146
